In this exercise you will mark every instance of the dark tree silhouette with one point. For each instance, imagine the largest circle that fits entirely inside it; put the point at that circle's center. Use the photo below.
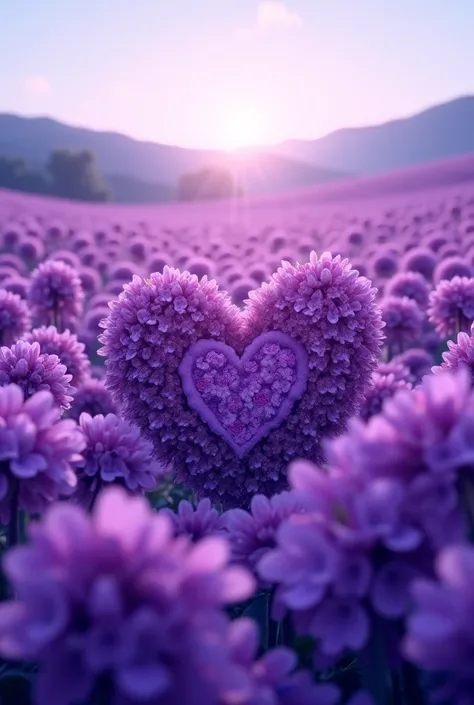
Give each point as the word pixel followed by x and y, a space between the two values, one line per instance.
pixel 15 174
pixel 74 175
pixel 208 183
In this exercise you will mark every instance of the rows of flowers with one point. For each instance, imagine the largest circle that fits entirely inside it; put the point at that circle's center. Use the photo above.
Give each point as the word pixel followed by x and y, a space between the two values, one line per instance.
pixel 205 502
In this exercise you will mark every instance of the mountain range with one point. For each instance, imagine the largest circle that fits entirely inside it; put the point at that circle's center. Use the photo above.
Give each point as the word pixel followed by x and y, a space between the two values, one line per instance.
pixel 141 171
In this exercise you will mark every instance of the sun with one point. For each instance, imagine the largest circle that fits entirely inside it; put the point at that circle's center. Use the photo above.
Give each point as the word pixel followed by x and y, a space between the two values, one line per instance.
pixel 241 127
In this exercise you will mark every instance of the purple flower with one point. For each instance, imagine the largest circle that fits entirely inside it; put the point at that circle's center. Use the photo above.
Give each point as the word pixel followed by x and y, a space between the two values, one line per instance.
pixel 56 294
pixel 385 265
pixel 412 285
pixel 253 533
pixel 418 362
pixel 92 397
pixel 115 453
pixel 17 285
pixel 37 451
pixel 451 308
pixel 382 387
pixel 451 267
pixel 24 364
pixel 395 367
pixel 114 601
pixel 67 347
pixel 440 635
pixel 459 354
pixel 14 317
pixel 420 260
pixel 196 522
pixel 403 321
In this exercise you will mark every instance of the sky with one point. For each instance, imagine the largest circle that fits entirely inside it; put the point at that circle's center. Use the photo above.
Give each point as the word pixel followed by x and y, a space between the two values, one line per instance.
pixel 224 73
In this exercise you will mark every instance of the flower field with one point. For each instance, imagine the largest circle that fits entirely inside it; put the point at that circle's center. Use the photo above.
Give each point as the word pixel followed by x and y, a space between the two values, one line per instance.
pixel 237 448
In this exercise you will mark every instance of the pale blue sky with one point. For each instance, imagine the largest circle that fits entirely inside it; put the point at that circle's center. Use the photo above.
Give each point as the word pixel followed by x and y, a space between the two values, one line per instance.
pixel 195 72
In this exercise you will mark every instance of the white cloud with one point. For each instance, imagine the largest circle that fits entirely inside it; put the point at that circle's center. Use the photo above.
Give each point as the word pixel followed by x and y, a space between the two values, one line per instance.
pixel 272 14
pixel 37 85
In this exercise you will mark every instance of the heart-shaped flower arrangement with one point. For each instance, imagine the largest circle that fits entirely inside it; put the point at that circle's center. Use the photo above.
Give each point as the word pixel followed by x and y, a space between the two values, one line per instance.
pixel 230 397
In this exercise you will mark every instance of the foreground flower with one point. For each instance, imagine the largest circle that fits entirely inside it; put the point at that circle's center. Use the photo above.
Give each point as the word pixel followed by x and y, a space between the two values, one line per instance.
pixel 24 364
pixel 38 452
pixel 196 522
pixel 116 453
pixel 66 346
pixel 56 294
pixel 92 397
pixel 451 308
pixel 253 533
pixel 113 606
pixel 440 635
pixel 14 317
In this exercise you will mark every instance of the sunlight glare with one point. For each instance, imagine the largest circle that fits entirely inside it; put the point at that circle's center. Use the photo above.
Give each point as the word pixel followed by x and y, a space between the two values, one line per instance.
pixel 241 127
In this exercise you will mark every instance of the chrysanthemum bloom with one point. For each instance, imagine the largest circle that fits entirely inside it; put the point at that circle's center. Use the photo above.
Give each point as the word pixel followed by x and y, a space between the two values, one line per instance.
pixel 451 267
pixel 252 534
pixel 440 636
pixel 382 387
pixel 115 453
pixel 90 280
pixel 425 440
pixel 56 296
pixel 92 397
pixel 451 307
pixel 343 569
pixel 14 317
pixel 413 285
pixel 403 322
pixel 459 354
pixel 67 347
pixel 196 522
pixel 11 260
pixel 25 365
pixel 420 260
pixel 113 608
pixel 38 452
pixel 418 362
pixel 321 304
pixel 30 249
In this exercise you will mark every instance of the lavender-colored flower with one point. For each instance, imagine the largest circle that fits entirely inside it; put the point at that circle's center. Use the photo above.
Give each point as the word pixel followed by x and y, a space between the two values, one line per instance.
pixel 424 439
pixel 252 534
pixel 38 452
pixel 92 397
pixel 440 635
pixel 395 367
pixel 56 294
pixel 385 265
pixel 24 364
pixel 382 387
pixel 403 321
pixel 418 362
pixel 17 285
pixel 14 318
pixel 420 260
pixel 113 603
pixel 459 354
pixel 451 308
pixel 67 347
pixel 451 267
pixel 412 285
pixel 115 453
pixel 196 522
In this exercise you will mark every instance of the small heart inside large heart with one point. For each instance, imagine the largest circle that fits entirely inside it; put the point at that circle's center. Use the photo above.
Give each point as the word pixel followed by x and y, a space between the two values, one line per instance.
pixel 242 399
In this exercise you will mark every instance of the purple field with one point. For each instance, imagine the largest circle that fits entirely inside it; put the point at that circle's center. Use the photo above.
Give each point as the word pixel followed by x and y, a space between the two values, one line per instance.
pixel 260 497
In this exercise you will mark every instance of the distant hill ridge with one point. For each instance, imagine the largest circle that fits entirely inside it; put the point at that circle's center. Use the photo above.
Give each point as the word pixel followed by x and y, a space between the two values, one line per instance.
pixel 148 171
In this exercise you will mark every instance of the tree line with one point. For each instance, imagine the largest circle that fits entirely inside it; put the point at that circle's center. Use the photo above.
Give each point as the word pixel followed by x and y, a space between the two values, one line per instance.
pixel 74 175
